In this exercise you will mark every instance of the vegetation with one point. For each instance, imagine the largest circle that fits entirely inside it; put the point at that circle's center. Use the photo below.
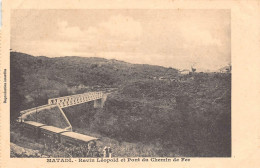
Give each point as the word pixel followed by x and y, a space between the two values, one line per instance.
pixel 35 79
pixel 185 119
pixel 181 115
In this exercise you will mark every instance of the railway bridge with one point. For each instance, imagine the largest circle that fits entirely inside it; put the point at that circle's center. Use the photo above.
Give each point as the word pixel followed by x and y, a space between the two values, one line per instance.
pixel 52 113
pixel 99 99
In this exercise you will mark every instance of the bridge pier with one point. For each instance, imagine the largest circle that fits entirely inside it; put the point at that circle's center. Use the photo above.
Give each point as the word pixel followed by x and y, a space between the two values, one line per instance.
pixel 99 103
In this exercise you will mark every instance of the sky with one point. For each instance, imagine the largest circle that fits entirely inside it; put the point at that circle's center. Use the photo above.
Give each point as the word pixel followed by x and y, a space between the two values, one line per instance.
pixel 166 37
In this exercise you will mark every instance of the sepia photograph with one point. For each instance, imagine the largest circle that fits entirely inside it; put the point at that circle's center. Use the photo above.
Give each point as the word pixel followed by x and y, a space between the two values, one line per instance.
pixel 107 83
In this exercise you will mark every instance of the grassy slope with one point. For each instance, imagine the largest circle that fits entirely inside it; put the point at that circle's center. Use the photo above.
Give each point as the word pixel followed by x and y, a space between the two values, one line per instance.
pixel 162 118
pixel 35 79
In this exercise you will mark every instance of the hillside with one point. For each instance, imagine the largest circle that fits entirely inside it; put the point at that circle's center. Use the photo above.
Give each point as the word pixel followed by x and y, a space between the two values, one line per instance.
pixel 35 79
pixel 182 115
pixel 174 118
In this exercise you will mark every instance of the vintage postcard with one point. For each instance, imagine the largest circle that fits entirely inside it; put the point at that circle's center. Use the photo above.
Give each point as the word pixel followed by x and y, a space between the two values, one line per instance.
pixel 128 83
